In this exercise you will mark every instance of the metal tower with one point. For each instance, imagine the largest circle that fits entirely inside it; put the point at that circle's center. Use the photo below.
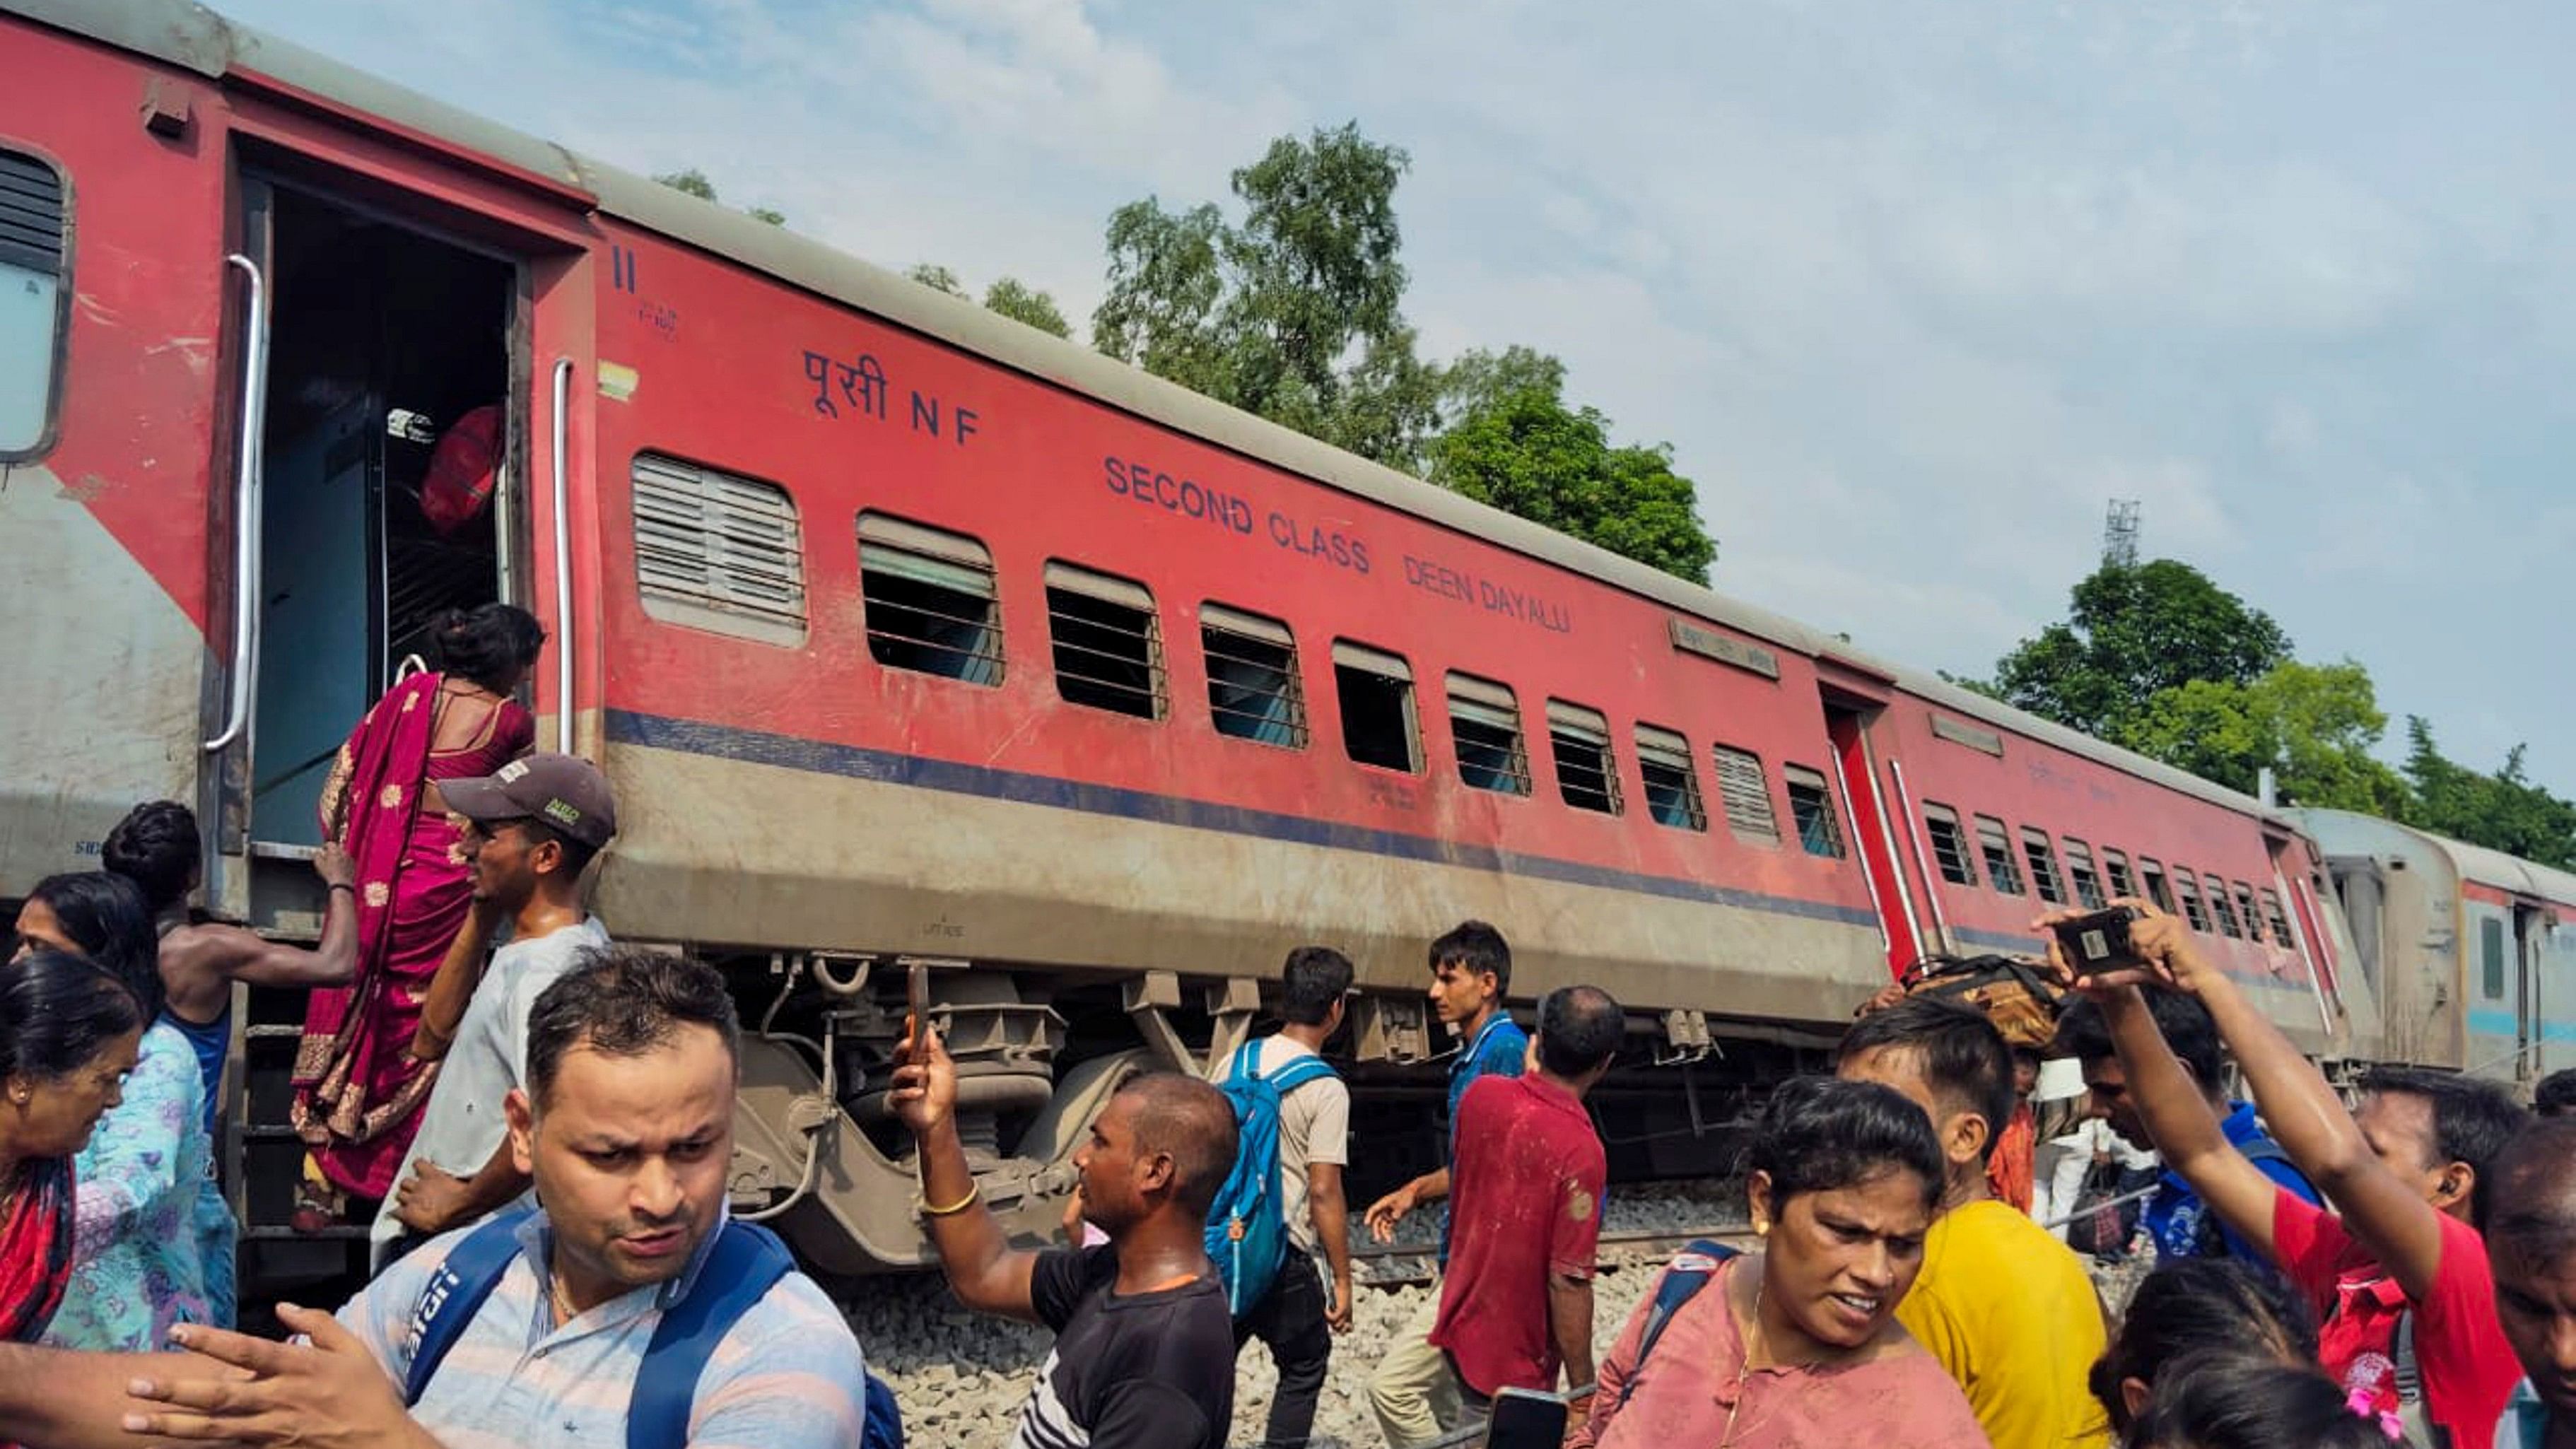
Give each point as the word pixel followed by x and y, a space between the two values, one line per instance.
pixel 2120 534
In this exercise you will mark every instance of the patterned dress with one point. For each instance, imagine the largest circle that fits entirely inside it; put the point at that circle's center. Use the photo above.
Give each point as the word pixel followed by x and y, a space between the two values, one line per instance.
pixel 139 1246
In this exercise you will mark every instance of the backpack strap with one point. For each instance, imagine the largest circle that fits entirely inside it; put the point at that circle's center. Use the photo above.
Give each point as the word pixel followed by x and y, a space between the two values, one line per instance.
pixel 1303 1068
pixel 745 1262
pixel 1689 1273
pixel 455 1293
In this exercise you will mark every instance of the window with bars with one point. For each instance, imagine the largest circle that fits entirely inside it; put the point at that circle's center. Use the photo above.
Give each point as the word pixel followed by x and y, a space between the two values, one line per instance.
pixel 1108 652
pixel 2115 866
pixel 1949 845
pixel 1253 692
pixel 929 600
pixel 1375 692
pixel 1744 792
pixel 2219 907
pixel 1996 846
pixel 2281 934
pixel 1672 780
pixel 718 552
pixel 1578 738
pixel 35 262
pixel 1485 726
pixel 2043 865
pixel 2079 872
pixel 1811 810
pixel 2187 891
pixel 2245 907
pixel 2151 874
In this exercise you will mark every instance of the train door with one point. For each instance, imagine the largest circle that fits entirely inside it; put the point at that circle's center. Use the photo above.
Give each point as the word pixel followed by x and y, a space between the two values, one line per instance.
pixel 1891 894
pixel 2531 925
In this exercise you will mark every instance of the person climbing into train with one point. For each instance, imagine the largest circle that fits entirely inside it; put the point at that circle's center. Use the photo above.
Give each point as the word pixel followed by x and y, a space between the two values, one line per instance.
pixel 1797 1344
pixel 2176 1219
pixel 625 1307
pixel 1471 972
pixel 2397 1274
pixel 360 1087
pixel 1313 1117
pixel 1515 1305
pixel 147 1254
pixel 2006 1308
pixel 1144 1343
pixel 532 830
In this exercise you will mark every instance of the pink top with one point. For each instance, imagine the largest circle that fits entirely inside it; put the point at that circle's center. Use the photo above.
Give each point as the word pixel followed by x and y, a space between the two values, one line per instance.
pixel 1688 1392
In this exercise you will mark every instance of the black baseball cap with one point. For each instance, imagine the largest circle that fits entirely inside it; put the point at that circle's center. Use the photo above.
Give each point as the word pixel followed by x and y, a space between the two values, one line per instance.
pixel 567 793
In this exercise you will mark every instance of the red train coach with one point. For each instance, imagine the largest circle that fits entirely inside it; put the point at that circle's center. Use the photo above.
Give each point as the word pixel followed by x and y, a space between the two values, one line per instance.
pixel 905 632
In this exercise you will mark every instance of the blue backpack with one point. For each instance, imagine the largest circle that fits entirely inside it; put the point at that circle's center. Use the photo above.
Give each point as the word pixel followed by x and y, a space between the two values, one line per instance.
pixel 745 1261
pixel 1689 1273
pixel 1247 1237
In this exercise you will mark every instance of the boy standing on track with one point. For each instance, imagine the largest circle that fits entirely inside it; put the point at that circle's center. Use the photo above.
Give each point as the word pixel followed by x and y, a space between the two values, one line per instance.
pixel 1471 969
pixel 2400 1278
pixel 2008 1310
pixel 1294 1318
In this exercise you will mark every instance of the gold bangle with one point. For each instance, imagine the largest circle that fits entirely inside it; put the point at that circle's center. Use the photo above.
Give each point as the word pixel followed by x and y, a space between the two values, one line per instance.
pixel 954 1208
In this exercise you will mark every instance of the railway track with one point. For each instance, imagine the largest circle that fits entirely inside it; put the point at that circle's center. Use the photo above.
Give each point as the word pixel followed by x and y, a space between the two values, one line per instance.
pixel 1400 1265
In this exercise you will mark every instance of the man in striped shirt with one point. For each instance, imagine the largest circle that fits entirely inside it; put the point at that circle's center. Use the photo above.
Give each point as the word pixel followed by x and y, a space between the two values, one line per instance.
pixel 626 1125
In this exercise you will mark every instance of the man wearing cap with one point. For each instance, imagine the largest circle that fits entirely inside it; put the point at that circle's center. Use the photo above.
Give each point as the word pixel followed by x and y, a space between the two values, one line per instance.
pixel 533 828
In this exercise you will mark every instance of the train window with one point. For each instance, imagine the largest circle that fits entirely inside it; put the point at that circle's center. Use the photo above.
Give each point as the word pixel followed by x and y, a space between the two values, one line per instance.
pixel 1375 689
pixel 1949 846
pixel 1745 792
pixel 2245 908
pixel 2280 919
pixel 1253 693
pixel 1108 652
pixel 2115 868
pixel 2079 871
pixel 1579 739
pixel 35 260
pixel 1811 809
pixel 2187 890
pixel 929 600
pixel 2151 874
pixel 718 552
pixel 1672 781
pixel 2491 957
pixel 2043 866
pixel 2219 907
pixel 1485 725
pixel 1996 846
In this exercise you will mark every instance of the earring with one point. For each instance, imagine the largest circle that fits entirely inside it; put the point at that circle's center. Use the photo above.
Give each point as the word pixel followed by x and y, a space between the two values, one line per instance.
pixel 1761 1230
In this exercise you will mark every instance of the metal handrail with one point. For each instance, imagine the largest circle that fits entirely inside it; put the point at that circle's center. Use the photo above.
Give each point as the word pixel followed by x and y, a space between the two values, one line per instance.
pixel 563 557
pixel 246 508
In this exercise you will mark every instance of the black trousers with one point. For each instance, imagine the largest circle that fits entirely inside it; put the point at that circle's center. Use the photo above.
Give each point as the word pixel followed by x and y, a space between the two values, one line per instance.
pixel 1290 1319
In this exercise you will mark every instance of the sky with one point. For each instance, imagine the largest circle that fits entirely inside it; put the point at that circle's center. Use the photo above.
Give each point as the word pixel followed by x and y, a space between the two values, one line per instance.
pixel 1912 289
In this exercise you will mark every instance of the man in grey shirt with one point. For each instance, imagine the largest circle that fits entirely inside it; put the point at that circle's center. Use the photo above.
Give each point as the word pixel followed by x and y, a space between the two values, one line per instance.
pixel 535 827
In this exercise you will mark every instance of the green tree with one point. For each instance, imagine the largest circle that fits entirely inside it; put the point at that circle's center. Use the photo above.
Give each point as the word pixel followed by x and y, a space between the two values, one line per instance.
pixel 1021 302
pixel 940 279
pixel 2132 632
pixel 694 182
pixel 2501 811
pixel 1294 314
pixel 2315 725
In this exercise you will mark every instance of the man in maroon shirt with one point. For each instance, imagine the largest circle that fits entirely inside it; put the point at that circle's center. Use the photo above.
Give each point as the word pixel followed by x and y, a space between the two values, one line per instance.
pixel 1525 1210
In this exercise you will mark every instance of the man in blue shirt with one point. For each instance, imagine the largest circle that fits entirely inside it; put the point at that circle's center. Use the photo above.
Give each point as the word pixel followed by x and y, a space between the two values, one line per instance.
pixel 1413 1390
pixel 2181 1225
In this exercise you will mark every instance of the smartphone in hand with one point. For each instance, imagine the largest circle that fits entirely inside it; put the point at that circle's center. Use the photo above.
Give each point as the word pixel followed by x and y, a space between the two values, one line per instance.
pixel 1526 1419
pixel 2098 943
pixel 916 1008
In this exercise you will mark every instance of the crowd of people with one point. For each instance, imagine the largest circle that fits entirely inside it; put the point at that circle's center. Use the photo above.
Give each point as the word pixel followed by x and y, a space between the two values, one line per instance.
pixel 536 1122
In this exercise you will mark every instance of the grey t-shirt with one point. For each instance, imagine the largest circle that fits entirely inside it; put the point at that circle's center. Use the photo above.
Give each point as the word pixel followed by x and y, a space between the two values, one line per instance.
pixel 462 1125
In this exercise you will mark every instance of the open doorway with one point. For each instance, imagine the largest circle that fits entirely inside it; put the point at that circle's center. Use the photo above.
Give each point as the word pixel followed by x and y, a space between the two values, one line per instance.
pixel 389 348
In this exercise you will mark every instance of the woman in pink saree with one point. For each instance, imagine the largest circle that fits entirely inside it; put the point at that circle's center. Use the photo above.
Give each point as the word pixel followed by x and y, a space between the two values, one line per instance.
pixel 358 1084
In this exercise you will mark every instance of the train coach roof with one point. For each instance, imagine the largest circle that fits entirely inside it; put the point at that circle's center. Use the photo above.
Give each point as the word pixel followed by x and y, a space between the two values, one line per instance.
pixel 2344 832
pixel 194 38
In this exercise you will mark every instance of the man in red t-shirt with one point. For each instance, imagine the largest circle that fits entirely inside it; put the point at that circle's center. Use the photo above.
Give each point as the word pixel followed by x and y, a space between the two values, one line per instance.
pixel 1525 1209
pixel 2400 1280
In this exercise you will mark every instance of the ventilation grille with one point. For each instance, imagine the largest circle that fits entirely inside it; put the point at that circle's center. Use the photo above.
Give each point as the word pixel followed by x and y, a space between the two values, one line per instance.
pixel 718 552
pixel 31 214
pixel 1746 794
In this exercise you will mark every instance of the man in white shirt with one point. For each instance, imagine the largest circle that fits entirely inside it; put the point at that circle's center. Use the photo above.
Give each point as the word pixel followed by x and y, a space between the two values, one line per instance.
pixel 535 826
pixel 1294 1318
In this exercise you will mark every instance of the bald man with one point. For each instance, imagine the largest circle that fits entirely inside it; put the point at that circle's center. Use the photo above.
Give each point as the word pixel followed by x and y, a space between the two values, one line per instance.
pixel 2531 1246
pixel 1144 1347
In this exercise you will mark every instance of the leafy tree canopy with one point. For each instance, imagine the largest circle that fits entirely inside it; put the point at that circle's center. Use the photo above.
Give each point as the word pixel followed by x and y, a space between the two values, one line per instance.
pixel 2501 811
pixel 1009 296
pixel 2314 724
pixel 2132 632
pixel 694 182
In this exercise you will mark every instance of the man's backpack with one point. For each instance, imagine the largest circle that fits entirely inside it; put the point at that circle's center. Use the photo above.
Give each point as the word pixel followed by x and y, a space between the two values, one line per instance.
pixel 746 1260
pixel 1247 1235
pixel 2209 1235
pixel 1691 1271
